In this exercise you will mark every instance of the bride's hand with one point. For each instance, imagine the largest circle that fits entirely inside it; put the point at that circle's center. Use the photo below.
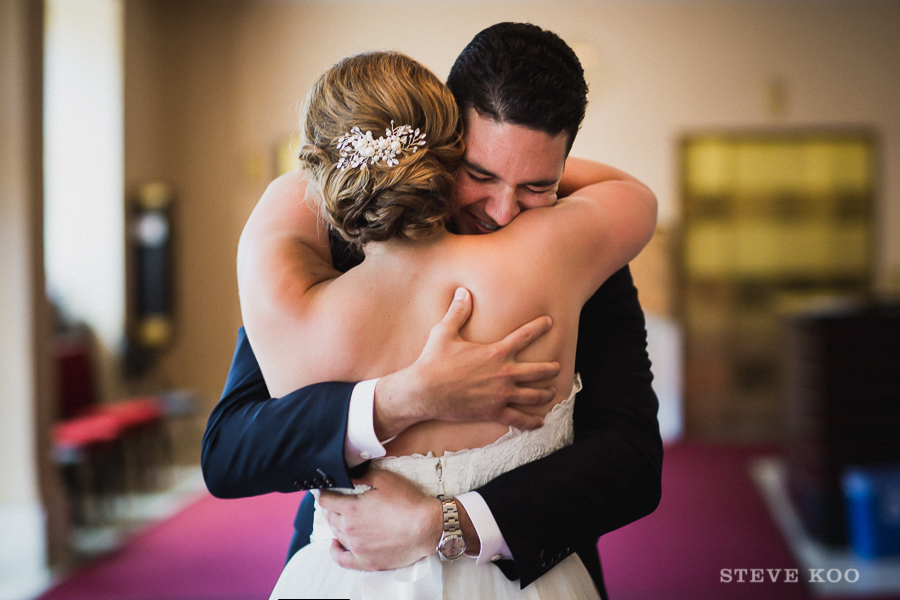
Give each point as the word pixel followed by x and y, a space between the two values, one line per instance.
pixel 457 380
pixel 390 526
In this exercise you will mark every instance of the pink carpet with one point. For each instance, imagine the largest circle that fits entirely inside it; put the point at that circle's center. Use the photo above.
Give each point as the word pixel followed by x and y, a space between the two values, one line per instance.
pixel 710 518
pixel 222 549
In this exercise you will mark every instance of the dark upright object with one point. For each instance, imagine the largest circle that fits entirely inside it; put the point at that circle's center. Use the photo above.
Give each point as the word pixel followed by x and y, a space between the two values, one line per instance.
pixel 842 385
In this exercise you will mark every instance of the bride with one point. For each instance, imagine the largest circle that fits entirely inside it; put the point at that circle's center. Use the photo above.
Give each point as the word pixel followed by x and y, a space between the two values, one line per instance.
pixel 381 147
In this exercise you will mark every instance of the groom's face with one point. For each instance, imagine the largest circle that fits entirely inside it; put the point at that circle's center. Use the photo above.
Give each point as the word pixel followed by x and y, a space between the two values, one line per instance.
pixel 507 169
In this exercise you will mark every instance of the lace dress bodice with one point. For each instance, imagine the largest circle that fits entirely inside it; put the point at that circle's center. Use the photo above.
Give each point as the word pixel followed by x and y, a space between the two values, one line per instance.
pixel 465 470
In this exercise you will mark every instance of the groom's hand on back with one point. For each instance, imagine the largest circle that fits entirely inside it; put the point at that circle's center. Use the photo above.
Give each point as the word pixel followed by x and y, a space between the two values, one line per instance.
pixel 457 380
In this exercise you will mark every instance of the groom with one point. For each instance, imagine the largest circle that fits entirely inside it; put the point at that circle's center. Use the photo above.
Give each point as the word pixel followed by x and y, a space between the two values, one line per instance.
pixel 526 520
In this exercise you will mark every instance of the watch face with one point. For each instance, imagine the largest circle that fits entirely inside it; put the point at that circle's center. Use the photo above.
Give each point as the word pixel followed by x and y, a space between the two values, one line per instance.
pixel 453 547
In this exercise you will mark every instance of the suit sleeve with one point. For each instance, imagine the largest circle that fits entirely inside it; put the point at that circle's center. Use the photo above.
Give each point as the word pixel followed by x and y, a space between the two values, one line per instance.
pixel 611 475
pixel 255 444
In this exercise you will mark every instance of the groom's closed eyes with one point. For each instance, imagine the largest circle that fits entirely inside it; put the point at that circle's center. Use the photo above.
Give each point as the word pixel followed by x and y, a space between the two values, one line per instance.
pixel 481 174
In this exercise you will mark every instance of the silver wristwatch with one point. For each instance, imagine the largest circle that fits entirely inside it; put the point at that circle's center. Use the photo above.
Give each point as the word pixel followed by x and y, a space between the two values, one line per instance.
pixel 452 544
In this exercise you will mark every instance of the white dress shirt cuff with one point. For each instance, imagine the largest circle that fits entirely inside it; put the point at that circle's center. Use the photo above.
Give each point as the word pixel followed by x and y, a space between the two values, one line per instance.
pixel 361 443
pixel 493 546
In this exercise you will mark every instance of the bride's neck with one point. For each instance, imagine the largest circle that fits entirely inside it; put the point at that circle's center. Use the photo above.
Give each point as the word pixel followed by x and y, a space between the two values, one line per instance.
pixel 401 246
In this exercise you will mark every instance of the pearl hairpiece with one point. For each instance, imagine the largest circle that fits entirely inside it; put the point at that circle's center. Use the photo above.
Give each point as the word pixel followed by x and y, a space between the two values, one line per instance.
pixel 358 148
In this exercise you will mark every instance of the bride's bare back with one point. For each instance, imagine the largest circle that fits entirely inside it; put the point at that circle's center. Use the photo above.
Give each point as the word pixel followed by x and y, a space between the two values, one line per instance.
pixel 376 318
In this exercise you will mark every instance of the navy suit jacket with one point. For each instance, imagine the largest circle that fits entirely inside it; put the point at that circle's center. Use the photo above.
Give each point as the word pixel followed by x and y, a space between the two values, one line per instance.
pixel 609 477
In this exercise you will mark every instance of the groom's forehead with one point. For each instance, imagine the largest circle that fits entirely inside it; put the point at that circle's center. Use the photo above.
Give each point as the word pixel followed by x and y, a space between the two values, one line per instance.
pixel 494 146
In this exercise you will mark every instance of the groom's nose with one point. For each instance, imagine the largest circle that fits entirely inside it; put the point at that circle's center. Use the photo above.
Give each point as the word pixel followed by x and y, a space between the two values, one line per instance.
pixel 503 206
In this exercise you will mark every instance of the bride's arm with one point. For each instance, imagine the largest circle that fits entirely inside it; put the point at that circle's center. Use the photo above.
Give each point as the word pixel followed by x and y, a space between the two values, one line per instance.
pixel 282 253
pixel 581 173
pixel 584 238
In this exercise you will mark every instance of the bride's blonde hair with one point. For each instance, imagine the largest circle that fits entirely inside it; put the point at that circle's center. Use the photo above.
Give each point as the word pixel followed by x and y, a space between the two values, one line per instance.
pixel 380 202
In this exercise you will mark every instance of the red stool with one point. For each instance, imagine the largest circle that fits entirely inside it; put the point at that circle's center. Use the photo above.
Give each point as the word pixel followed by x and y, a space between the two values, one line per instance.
pixel 89 450
pixel 141 423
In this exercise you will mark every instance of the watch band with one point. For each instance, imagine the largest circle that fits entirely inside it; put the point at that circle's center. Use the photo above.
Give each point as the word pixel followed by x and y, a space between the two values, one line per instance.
pixel 452 544
pixel 451 516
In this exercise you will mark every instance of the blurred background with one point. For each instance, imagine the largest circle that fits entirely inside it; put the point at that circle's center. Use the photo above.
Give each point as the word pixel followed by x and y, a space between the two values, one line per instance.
pixel 137 136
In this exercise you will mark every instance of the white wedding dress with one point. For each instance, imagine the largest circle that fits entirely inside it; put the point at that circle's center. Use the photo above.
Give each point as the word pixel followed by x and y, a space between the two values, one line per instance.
pixel 312 573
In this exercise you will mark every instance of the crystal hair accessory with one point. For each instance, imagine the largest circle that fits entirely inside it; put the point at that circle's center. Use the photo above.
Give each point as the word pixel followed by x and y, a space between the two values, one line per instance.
pixel 359 149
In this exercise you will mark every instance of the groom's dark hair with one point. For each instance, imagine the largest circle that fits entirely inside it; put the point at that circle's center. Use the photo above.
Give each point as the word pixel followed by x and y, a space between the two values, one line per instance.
pixel 519 73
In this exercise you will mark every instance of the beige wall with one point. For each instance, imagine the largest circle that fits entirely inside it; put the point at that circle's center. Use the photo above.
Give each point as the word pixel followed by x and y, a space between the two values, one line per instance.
pixel 20 211
pixel 212 87
pixel 30 504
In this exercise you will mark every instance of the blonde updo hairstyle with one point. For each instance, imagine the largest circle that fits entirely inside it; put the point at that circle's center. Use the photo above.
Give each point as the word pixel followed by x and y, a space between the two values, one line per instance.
pixel 381 202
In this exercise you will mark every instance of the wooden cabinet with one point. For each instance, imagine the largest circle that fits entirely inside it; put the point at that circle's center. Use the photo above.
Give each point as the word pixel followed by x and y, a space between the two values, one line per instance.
pixel 770 222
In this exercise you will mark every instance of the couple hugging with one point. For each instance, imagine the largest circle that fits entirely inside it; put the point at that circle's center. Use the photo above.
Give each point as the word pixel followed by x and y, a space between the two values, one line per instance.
pixel 446 448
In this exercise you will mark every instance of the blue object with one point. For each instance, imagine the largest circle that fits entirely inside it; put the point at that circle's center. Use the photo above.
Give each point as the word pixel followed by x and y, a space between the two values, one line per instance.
pixel 873 510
